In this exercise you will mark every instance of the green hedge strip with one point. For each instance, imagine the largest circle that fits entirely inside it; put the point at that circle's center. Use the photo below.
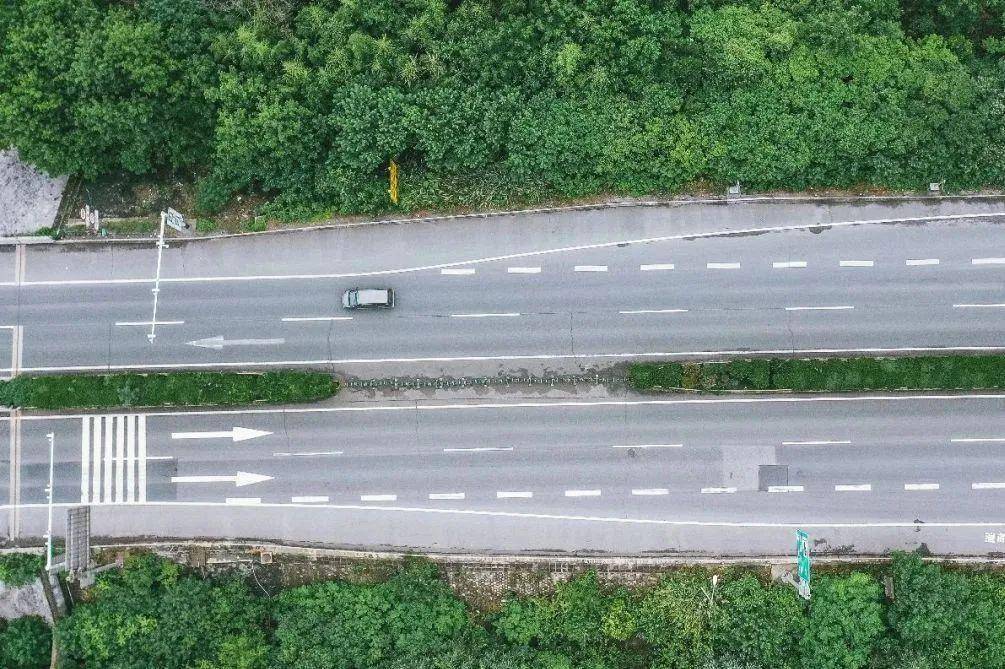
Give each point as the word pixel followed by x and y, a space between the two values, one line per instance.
pixel 167 389
pixel 17 569
pixel 956 372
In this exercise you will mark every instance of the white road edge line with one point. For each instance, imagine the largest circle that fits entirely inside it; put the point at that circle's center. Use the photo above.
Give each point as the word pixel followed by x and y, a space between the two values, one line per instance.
pixel 718 491
pixel 378 498
pixel 650 491
pixel 821 442
pixel 446 495
pixel 647 446
pixel 856 263
pixel 500 315
pixel 785 488
pixel 921 486
pixel 920 262
pixel 654 311
pixel 457 271
pixel 523 270
pixel 843 307
pixel 514 495
pixel 987 261
pixel 853 487
pixel 656 267
pixel 789 264
pixel 310 499
pixel 590 268
pixel 244 501
pixel 302 319
pixel 988 485
pixel 722 265
pixel 582 493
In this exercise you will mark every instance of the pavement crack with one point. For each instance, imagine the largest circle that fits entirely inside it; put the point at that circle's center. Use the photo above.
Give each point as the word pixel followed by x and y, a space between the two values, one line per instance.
pixel 572 336
pixel 792 334
pixel 331 350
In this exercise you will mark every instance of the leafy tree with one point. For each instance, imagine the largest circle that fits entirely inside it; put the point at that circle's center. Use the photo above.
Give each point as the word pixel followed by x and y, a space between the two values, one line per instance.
pixel 675 618
pixel 25 643
pixel 759 625
pixel 845 622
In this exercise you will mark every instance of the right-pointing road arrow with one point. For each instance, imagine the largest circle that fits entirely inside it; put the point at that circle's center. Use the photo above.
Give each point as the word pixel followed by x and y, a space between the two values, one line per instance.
pixel 234 434
pixel 240 479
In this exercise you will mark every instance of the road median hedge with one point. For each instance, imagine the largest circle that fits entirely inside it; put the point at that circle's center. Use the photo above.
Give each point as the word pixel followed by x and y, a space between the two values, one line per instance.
pixel 953 372
pixel 166 389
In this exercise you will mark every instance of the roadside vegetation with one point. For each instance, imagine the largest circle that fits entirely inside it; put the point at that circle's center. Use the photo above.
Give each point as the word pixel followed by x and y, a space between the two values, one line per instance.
pixel 487 103
pixel 25 642
pixel 156 614
pixel 951 372
pixel 167 389
pixel 17 569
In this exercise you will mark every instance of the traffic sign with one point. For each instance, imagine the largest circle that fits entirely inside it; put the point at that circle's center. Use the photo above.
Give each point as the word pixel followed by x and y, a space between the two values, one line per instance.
pixel 175 220
pixel 803 563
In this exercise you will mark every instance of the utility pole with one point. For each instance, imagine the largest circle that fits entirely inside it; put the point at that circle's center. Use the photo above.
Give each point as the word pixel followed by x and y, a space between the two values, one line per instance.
pixel 48 535
pixel 157 280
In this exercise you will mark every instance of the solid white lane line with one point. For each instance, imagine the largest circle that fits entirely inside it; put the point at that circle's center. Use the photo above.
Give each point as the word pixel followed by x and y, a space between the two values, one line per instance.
pixel 722 265
pixel 921 486
pixel 301 319
pixel 131 459
pixel 514 495
pixel 307 454
pixel 785 488
pixel 446 495
pixel 821 442
pixel 147 324
pixel 244 500
pixel 478 449
pixel 843 307
pixel 987 261
pixel 310 499
pixel 650 491
pixel 853 487
pixel 654 311
pixel 120 458
pixel 141 454
pixel 977 440
pixel 590 268
pixel 656 267
pixel 789 264
pixel 718 491
pixel 582 493
pixel 979 306
pixel 501 315
pixel 109 432
pixel 918 262
pixel 988 485
pixel 532 356
pixel 378 498
pixel 647 446
pixel 523 270
pixel 856 263
pixel 457 271
pixel 85 461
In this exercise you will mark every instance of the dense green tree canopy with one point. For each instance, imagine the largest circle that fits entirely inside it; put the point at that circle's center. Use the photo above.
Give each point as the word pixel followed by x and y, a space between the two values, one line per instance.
pixel 482 101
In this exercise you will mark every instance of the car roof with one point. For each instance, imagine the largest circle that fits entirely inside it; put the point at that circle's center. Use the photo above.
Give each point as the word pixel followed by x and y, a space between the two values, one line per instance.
pixel 373 295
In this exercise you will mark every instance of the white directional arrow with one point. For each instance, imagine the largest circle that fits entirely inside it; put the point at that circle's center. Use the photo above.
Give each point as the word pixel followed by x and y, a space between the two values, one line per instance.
pixel 218 342
pixel 235 434
pixel 239 479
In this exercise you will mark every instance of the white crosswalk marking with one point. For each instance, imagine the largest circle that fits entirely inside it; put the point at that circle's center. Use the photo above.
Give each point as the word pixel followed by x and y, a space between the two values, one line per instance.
pixel 113 459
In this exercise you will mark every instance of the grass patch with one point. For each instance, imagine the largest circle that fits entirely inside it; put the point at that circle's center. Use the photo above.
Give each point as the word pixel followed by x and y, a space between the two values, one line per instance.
pixel 167 389
pixel 952 372
pixel 17 569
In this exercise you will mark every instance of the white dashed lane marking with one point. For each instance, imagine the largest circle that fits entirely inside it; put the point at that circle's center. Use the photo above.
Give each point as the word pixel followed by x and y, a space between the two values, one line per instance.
pixel 977 440
pixel 590 268
pixel 997 305
pixel 722 265
pixel 650 491
pixel 378 498
pixel 511 314
pixel 987 261
pixel 785 488
pixel 841 307
pixel 789 264
pixel 244 501
pixel 446 495
pixel 856 263
pixel 820 442
pixel 514 495
pixel 523 270
pixel 988 485
pixel 853 487
pixel 919 262
pixel 582 493
pixel 654 311
pixel 647 446
pixel 921 486
pixel 457 271
pixel 657 267
pixel 718 491
pixel 311 499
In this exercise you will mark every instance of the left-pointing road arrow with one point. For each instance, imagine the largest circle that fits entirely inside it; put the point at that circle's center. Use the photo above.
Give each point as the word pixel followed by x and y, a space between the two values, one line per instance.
pixel 239 479
pixel 235 434
pixel 218 342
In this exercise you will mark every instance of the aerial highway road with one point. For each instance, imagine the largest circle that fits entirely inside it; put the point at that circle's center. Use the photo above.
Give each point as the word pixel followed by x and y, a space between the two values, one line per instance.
pixel 524 294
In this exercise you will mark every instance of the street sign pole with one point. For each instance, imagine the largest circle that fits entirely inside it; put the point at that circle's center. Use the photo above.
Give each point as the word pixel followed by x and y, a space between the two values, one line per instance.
pixel 48 535
pixel 803 563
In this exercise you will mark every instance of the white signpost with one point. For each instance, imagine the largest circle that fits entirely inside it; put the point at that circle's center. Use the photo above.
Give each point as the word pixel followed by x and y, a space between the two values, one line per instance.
pixel 175 220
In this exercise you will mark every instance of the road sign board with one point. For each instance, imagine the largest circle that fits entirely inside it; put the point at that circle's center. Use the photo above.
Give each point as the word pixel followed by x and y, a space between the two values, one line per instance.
pixel 803 563
pixel 78 539
pixel 175 220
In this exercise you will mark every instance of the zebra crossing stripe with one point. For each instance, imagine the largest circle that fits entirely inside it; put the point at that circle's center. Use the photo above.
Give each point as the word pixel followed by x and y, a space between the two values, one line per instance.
pixel 113 459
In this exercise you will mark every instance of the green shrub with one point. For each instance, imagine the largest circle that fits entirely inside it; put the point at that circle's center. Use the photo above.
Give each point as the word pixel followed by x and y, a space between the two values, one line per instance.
pixel 256 225
pixel 18 569
pixel 205 225
pixel 25 643
pixel 166 389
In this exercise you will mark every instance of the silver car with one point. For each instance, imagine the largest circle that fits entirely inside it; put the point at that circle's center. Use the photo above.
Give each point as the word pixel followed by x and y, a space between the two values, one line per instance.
pixel 368 298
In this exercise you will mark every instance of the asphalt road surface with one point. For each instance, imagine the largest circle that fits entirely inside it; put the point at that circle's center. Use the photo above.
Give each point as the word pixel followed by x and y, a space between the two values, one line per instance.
pixel 561 292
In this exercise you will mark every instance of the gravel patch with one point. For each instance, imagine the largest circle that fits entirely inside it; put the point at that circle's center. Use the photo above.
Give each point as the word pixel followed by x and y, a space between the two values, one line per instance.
pixel 29 199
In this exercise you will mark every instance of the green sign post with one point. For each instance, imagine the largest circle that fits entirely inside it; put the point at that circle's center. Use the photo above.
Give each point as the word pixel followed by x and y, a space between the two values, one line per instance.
pixel 803 563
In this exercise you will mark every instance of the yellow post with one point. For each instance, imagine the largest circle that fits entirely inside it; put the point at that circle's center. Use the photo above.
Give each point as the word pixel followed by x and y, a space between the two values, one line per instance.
pixel 393 190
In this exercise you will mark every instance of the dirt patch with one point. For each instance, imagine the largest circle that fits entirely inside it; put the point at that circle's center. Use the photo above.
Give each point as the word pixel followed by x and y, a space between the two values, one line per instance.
pixel 30 198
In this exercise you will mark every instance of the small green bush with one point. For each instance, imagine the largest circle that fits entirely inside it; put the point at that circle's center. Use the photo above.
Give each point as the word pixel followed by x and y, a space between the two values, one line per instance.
pixel 206 225
pixel 256 225
pixel 17 569
pixel 25 643
pixel 167 389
